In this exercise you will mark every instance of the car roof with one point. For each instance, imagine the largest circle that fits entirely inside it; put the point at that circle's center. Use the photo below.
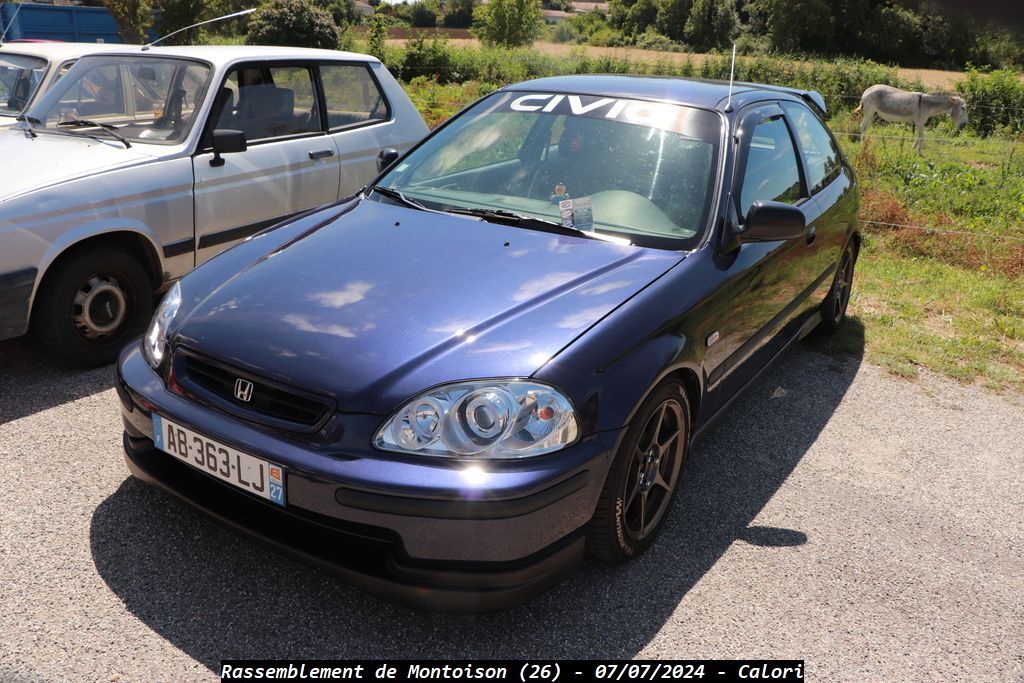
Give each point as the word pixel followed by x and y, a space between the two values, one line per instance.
pixel 708 94
pixel 60 50
pixel 222 54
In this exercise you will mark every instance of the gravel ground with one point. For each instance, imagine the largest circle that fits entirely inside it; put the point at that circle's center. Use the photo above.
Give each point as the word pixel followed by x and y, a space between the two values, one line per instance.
pixel 869 525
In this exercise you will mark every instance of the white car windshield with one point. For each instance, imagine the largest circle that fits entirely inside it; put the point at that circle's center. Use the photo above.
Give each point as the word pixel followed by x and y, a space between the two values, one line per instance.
pixel 20 76
pixel 644 171
pixel 129 97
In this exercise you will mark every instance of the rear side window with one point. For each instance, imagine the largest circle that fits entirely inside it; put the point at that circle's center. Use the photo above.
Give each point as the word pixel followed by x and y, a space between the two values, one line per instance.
pixel 352 95
pixel 819 149
pixel 771 173
pixel 268 102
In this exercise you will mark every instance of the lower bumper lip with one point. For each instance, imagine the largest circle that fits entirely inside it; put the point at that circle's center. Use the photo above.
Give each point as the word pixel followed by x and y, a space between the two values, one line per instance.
pixel 360 555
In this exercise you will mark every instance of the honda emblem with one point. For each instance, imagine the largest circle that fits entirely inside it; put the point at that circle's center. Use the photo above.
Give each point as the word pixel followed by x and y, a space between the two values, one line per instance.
pixel 243 390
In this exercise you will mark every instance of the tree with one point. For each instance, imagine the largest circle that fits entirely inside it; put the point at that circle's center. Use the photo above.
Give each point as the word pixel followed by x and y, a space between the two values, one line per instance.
pixel 508 23
pixel 133 17
pixel 712 24
pixel 423 14
pixel 172 15
pixel 795 25
pixel 459 13
pixel 292 22
pixel 376 37
pixel 672 16
pixel 343 12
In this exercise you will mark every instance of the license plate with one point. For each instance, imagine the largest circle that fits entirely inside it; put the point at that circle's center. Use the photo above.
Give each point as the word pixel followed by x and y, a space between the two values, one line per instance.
pixel 247 472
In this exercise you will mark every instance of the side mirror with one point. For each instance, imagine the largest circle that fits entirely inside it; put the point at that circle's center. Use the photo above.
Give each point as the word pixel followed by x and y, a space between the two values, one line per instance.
pixel 226 141
pixel 387 156
pixel 772 221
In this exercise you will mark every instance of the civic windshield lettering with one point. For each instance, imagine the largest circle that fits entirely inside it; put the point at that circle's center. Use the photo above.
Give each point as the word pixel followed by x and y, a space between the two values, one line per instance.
pixel 651 114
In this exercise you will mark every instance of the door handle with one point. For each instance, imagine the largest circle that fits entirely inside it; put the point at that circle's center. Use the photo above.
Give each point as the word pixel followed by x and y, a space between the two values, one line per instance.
pixel 811 234
pixel 321 153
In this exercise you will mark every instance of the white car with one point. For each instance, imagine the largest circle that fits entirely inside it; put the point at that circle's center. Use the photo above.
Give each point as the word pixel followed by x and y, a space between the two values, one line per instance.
pixel 139 165
pixel 29 69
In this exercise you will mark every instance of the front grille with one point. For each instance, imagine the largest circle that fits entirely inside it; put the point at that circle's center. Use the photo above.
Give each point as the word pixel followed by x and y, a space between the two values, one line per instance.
pixel 268 399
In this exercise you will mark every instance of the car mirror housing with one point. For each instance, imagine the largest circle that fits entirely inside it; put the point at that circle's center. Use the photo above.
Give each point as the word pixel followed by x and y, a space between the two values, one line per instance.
pixel 386 157
pixel 772 221
pixel 226 141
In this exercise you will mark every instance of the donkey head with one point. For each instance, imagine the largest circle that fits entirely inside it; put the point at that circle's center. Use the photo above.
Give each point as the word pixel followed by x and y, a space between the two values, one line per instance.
pixel 958 110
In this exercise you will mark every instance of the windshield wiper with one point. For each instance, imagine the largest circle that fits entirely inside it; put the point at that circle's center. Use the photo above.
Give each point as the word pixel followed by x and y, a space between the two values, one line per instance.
pixel 398 196
pixel 28 121
pixel 533 223
pixel 86 123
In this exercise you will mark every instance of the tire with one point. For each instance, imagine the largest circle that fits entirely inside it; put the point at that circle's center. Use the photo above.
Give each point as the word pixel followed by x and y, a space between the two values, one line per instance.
pixel 833 308
pixel 91 304
pixel 643 478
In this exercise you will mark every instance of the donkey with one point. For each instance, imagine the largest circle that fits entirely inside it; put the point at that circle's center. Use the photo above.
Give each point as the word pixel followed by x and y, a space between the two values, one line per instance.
pixel 893 104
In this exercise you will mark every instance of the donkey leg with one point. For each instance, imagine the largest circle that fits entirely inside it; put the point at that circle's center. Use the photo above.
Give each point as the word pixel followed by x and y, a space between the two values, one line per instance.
pixel 867 116
pixel 920 137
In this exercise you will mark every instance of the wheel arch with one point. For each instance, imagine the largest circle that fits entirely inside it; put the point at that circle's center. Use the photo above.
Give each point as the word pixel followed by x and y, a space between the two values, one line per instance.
pixel 135 242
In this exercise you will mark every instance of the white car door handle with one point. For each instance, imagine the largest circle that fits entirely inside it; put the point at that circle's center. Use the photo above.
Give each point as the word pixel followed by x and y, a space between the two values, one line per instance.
pixel 321 153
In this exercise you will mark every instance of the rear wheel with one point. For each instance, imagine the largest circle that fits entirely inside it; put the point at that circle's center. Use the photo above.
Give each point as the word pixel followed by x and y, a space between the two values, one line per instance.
pixel 91 304
pixel 833 308
pixel 644 476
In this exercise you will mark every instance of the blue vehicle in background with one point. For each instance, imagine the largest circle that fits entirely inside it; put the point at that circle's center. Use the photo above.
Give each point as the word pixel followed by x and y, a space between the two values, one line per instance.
pixel 65 23
pixel 449 386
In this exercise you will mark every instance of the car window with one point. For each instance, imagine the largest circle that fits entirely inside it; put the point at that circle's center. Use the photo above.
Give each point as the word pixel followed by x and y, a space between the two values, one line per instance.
pixel 20 76
pixel 144 98
pixel 352 95
pixel 819 149
pixel 640 170
pixel 268 102
pixel 771 172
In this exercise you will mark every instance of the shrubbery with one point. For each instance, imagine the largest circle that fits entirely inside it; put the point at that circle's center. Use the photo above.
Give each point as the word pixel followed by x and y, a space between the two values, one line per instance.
pixel 995 102
pixel 293 22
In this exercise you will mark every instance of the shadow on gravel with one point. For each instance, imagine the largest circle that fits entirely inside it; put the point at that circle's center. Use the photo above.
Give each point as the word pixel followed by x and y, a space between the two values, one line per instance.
pixel 30 381
pixel 216 597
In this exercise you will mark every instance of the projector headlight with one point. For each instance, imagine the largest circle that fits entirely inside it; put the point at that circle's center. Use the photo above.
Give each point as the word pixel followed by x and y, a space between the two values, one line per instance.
pixel 493 419
pixel 154 344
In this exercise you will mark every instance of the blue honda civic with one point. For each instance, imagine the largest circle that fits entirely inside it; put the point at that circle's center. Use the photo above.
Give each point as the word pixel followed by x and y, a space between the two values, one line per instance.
pixel 450 386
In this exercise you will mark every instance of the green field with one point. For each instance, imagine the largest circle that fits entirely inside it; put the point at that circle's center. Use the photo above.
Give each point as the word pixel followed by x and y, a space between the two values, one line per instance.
pixel 949 299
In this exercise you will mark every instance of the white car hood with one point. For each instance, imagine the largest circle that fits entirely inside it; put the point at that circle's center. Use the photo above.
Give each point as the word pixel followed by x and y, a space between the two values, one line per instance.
pixel 28 164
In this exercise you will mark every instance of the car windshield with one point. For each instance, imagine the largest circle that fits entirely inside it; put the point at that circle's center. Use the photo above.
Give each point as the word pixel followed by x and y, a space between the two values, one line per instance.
pixel 639 170
pixel 130 97
pixel 20 76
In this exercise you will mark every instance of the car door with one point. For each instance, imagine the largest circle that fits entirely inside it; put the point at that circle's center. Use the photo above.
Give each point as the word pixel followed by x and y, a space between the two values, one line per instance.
pixel 830 182
pixel 290 164
pixel 356 109
pixel 768 281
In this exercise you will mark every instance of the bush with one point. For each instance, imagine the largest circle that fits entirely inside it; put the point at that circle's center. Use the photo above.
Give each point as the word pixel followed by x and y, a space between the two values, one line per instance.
pixel 995 102
pixel 428 59
pixel 652 40
pixel 292 22
pixel 507 23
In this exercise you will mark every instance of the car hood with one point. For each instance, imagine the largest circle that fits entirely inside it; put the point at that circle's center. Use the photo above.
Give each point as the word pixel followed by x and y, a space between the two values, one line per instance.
pixel 385 301
pixel 50 158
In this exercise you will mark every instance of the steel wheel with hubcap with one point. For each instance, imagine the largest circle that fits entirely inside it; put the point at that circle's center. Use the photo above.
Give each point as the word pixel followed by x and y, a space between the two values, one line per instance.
pixel 644 477
pixel 91 304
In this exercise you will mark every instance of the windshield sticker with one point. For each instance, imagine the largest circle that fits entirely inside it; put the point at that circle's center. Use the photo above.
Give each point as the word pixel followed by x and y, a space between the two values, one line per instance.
pixel 582 214
pixel 650 114
pixel 565 211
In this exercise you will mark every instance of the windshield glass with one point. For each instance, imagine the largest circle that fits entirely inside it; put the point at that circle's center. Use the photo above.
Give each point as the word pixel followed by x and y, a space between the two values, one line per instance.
pixel 20 76
pixel 639 170
pixel 144 99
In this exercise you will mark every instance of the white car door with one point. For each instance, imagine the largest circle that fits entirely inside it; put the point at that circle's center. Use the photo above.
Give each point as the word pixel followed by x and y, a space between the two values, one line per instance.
pixel 290 165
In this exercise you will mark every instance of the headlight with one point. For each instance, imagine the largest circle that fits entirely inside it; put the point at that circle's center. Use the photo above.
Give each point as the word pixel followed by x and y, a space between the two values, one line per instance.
pixel 486 419
pixel 154 344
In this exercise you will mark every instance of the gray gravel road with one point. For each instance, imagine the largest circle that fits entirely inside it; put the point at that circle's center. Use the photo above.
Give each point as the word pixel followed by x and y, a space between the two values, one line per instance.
pixel 868 525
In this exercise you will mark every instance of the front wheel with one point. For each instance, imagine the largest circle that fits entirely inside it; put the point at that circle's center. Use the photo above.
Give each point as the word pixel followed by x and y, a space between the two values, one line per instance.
pixel 91 304
pixel 644 477
pixel 833 308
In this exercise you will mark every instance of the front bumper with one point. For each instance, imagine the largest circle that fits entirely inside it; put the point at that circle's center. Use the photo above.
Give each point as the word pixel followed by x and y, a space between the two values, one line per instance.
pixel 401 528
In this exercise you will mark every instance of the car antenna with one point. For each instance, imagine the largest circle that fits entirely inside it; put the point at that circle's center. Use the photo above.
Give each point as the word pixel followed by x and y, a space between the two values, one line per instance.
pixel 3 33
pixel 732 71
pixel 201 23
